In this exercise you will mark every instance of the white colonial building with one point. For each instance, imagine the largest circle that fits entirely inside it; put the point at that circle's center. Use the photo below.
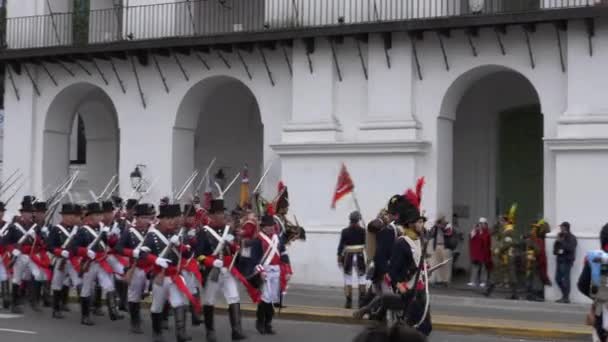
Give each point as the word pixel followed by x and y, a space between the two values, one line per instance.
pixel 492 102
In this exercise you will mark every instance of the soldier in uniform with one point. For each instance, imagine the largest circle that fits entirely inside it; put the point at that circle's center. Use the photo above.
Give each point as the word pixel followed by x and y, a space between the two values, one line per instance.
pixel 505 253
pixel 164 247
pixel 116 261
pixel 40 212
pixel 90 243
pixel 191 271
pixel 216 249
pixel 23 238
pixel 66 264
pixel 351 258
pixel 407 270
pixel 130 245
pixel 4 261
pixel 274 269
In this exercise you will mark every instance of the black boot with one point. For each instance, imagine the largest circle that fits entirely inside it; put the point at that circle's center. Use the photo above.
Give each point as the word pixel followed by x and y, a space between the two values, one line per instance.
pixel 5 294
pixel 112 307
pixel 260 321
pixel 234 310
pixel 65 298
pixel 46 294
pixel 121 292
pixel 180 324
pixel 157 328
pixel 209 325
pixel 57 305
pixel 85 311
pixel 35 294
pixel 135 312
pixel 15 305
pixel 196 318
pixel 269 314
pixel 97 310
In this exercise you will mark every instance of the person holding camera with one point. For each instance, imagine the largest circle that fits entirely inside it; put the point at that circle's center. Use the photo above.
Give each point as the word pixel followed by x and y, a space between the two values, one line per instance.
pixel 565 251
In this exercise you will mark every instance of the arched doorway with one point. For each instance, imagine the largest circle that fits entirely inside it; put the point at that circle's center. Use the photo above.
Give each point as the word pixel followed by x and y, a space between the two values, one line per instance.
pixel 92 149
pixel 218 118
pixel 497 140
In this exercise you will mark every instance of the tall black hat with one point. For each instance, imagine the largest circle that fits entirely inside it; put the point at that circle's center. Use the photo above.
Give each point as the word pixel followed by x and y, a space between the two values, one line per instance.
pixel 266 221
pixel 283 200
pixel 118 202
pixel 70 209
pixel 169 211
pixel 2 206
pixel 189 210
pixel 131 203
pixel 217 205
pixel 107 206
pixel 40 207
pixel 27 204
pixel 144 209
pixel 93 208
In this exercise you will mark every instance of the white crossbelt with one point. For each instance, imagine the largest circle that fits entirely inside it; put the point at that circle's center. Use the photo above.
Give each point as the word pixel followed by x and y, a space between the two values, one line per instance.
pixel 218 238
pixel 273 248
pixel 92 232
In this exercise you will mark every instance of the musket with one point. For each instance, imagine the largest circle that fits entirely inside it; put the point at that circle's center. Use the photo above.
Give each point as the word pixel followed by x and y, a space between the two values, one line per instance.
pixel 65 244
pixel 85 267
pixel 187 185
pixel 9 177
pixel 58 197
pixel 183 187
pixel 141 195
pixel 112 191
pixel 159 277
pixel 223 192
pixel 106 188
pixel 257 187
pixel 14 193
pixel 205 176
pixel 3 189
pixel 21 242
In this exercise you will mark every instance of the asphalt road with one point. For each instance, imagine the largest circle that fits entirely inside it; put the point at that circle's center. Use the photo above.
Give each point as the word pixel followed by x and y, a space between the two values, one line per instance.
pixel 39 327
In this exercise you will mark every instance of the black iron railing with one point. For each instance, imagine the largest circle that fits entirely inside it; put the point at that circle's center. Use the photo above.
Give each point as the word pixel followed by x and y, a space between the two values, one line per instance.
pixel 219 17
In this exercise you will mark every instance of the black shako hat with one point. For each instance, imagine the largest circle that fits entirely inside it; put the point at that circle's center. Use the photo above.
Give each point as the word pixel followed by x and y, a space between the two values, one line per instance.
pixel 266 221
pixel 27 204
pixel 2 206
pixel 189 210
pixel 118 202
pixel 217 206
pixel 144 209
pixel 93 208
pixel 131 203
pixel 107 206
pixel 40 207
pixel 70 209
pixel 169 211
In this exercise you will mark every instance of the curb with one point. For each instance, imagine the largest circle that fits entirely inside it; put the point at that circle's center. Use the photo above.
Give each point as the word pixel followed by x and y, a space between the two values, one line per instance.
pixel 470 325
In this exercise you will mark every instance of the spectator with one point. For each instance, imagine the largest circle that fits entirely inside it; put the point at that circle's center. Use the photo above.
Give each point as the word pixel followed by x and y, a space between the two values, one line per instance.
pixel 480 251
pixel 565 250
pixel 442 243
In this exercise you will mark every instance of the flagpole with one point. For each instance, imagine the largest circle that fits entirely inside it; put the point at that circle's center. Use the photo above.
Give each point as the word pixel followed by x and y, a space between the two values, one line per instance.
pixel 357 205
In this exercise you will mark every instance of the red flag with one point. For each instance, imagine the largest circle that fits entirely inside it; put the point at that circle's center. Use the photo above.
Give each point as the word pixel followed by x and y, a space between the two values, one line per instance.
pixel 344 187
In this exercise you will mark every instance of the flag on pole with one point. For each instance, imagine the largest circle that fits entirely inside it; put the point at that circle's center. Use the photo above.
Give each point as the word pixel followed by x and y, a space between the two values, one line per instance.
pixel 344 187
pixel 208 194
pixel 245 200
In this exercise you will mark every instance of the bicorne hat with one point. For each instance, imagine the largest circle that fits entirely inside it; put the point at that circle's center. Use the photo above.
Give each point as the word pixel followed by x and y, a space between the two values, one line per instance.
pixel 283 200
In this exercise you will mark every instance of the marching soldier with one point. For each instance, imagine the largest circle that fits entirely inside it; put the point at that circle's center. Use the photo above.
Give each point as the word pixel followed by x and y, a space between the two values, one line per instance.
pixel 191 271
pixel 29 255
pixel 164 247
pixel 4 261
pixel 130 245
pixel 40 212
pixel 386 233
pixel 274 269
pixel 90 243
pixel 215 249
pixel 351 258
pixel 116 261
pixel 66 264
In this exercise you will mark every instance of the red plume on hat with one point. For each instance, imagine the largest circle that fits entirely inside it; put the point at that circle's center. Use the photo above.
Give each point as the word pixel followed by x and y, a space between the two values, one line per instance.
pixel 270 210
pixel 415 197
pixel 280 186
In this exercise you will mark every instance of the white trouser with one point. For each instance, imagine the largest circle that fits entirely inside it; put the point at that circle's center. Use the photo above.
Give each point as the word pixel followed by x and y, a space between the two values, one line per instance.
pixel 191 281
pixel 3 273
pixel 137 286
pixel 353 278
pixel 164 292
pixel 61 277
pixel 117 267
pixel 24 267
pixel 272 284
pixel 95 272
pixel 227 283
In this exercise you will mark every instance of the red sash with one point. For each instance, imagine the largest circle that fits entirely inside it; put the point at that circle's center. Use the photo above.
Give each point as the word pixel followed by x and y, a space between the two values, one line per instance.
pixel 182 287
pixel 253 293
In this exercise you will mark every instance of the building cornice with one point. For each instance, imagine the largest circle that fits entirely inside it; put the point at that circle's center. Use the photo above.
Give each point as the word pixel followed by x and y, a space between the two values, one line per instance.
pixel 577 144
pixel 352 148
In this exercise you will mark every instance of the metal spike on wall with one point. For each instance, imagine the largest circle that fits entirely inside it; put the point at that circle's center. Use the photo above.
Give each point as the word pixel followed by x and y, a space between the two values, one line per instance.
pixel 141 93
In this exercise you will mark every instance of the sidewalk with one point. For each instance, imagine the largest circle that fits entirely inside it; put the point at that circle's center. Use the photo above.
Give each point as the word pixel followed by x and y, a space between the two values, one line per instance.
pixel 458 313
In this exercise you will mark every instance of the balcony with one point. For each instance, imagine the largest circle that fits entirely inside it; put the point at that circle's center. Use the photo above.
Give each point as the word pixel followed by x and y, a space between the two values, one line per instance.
pixel 222 19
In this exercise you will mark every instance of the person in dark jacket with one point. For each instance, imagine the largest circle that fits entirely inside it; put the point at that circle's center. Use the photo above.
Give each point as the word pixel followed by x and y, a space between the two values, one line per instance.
pixel 351 258
pixel 385 239
pixel 565 250
pixel 595 317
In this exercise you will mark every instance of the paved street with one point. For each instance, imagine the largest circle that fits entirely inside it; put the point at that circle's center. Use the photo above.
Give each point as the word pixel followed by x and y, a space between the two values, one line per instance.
pixel 41 328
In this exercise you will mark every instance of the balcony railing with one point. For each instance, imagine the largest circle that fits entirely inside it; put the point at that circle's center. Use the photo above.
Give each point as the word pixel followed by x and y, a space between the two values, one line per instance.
pixel 215 17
